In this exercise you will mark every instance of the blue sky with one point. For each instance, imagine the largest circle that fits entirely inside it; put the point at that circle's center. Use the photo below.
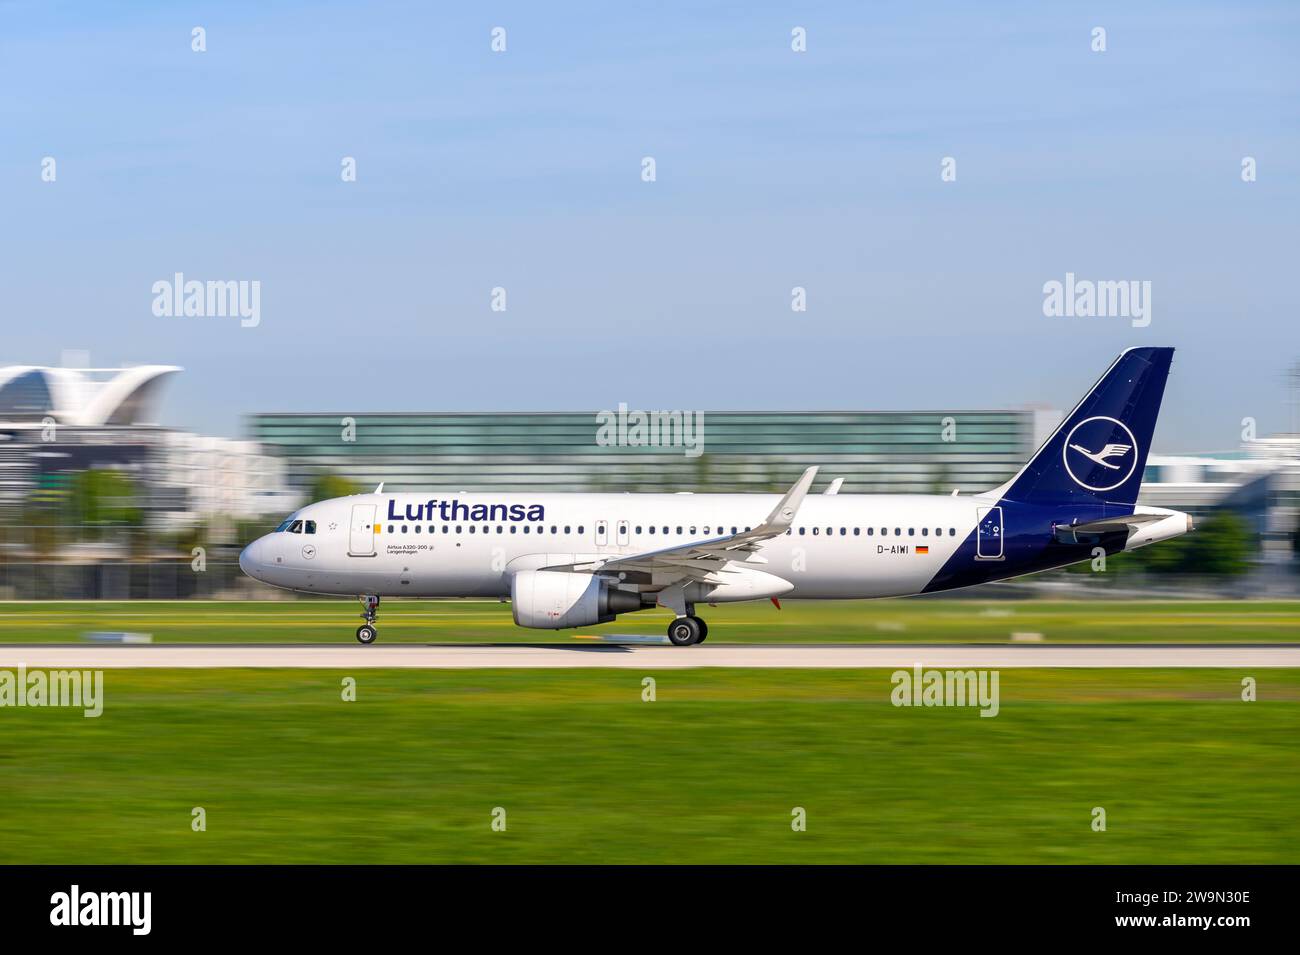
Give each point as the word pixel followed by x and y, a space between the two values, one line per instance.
pixel 775 169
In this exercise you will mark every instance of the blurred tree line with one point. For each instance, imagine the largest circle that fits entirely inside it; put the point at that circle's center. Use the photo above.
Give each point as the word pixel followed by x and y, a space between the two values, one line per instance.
pixel 97 505
pixel 105 506
pixel 1221 546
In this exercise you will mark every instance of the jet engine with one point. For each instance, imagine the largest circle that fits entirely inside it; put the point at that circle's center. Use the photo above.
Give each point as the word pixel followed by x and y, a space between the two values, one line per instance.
pixel 556 599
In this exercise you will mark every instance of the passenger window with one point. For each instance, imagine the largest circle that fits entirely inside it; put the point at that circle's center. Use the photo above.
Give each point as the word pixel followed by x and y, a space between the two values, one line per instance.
pixel 418 528
pixel 952 532
pixel 638 528
pixel 652 529
pixel 580 529
pixel 692 530
pixel 857 531
pixel 911 532
pixel 925 532
pixel 871 531
pixel 404 528
pixel 471 528
pixel 390 528
pixel 514 529
pixel 802 531
pixel 898 532
pixel 843 531
pixel 816 531
pixel 458 528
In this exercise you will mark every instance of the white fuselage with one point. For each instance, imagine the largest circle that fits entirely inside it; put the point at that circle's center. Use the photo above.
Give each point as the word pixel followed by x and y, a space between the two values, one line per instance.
pixel 840 546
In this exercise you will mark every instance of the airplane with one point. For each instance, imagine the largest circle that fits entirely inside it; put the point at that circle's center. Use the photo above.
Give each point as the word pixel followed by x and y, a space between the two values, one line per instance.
pixel 573 560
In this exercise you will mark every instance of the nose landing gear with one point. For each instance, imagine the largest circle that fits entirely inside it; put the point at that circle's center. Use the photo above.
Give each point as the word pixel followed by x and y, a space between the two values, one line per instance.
pixel 366 633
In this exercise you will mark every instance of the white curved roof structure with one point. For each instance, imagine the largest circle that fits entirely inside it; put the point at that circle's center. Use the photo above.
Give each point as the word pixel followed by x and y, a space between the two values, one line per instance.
pixel 88 397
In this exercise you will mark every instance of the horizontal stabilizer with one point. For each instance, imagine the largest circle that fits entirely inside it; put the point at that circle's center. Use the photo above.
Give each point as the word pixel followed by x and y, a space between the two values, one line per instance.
pixel 1086 533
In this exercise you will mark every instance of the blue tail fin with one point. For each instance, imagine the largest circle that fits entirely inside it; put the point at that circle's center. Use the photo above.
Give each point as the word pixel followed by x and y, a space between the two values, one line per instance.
pixel 1099 452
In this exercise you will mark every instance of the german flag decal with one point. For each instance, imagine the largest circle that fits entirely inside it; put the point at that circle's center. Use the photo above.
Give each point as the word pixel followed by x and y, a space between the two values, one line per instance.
pixel 922 549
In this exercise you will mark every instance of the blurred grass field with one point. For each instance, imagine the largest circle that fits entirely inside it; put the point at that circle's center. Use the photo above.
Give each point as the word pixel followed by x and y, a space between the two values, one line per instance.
pixel 709 772
pixel 454 621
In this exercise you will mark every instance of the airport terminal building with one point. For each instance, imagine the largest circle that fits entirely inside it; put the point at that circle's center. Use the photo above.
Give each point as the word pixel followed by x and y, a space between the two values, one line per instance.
pixel 58 421
pixel 622 450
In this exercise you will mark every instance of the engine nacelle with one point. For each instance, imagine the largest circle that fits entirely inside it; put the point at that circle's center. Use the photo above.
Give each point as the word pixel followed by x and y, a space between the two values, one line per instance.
pixel 557 599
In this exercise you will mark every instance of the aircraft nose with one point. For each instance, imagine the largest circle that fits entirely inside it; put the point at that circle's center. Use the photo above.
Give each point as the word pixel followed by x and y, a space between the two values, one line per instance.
pixel 250 558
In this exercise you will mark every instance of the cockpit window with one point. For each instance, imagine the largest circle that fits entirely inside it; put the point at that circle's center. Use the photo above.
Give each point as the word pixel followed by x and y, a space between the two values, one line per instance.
pixel 295 527
pixel 311 527
pixel 284 526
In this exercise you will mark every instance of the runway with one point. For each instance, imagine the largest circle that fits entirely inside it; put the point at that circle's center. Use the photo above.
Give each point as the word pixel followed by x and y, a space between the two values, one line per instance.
pixel 641 657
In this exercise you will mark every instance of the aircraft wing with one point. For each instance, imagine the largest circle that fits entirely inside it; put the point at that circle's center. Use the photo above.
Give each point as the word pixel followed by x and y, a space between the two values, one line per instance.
pixel 700 560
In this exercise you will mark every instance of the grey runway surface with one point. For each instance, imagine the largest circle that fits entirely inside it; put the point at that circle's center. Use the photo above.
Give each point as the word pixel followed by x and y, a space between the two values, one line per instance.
pixel 641 657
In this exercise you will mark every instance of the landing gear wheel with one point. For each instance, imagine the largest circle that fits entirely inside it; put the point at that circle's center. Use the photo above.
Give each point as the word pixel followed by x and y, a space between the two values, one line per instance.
pixel 685 631
pixel 704 630
pixel 370 607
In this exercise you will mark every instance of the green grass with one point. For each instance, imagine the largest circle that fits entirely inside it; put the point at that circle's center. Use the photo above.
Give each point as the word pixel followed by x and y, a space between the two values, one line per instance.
pixel 424 621
pixel 587 772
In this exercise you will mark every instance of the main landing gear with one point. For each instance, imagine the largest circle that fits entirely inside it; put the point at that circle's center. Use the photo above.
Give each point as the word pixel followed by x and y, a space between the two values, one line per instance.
pixel 688 630
pixel 366 633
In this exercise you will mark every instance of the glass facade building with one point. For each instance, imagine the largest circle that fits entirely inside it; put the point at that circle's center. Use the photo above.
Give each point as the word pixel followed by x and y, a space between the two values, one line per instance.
pixel 873 451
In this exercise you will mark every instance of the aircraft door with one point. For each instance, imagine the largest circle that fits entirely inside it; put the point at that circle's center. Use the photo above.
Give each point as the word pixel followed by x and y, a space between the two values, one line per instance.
pixel 361 538
pixel 988 544
pixel 622 533
pixel 602 533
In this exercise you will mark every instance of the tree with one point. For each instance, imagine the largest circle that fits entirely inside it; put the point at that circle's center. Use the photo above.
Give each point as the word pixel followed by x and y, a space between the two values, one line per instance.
pixel 99 498
pixel 1221 545
pixel 328 485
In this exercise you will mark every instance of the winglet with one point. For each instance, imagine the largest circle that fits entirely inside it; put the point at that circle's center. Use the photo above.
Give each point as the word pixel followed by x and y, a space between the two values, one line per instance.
pixel 782 515
pixel 380 489
pixel 835 486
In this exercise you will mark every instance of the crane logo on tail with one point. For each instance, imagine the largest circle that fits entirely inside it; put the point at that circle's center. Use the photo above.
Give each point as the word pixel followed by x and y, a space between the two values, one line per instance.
pixel 1107 467
pixel 1110 451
